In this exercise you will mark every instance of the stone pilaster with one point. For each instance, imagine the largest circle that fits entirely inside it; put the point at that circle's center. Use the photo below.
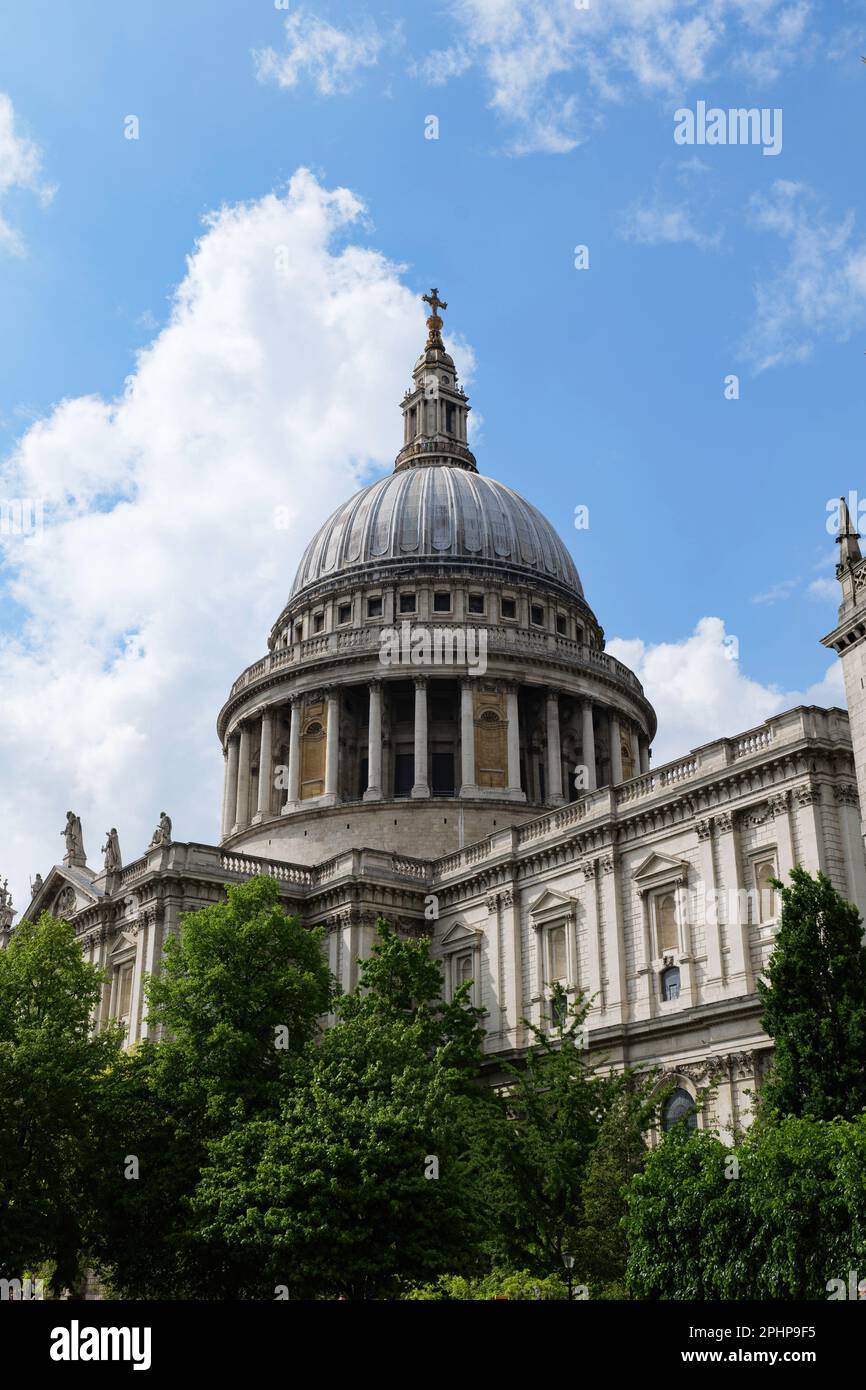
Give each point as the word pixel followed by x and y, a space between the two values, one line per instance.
pixel 421 788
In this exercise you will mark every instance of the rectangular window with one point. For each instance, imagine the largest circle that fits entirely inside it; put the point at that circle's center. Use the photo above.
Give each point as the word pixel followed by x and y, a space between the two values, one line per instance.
pixel 442 773
pixel 561 624
pixel 318 622
pixel 476 603
pixel 344 614
pixel 123 991
pixel 667 924
pixel 509 608
pixel 299 631
pixel 404 773
pixel 536 615
pixel 407 603
pixel 374 607
pixel 558 967
pixel 441 603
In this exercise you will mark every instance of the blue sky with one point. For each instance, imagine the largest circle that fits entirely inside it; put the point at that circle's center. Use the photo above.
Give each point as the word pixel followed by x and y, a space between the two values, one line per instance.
pixel 602 387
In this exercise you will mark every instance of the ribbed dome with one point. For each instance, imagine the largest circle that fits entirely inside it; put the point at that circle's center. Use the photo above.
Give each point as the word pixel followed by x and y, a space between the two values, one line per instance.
pixel 433 513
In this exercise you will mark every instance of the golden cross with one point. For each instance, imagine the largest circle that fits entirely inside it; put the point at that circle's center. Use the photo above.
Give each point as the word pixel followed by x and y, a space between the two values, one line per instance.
pixel 434 301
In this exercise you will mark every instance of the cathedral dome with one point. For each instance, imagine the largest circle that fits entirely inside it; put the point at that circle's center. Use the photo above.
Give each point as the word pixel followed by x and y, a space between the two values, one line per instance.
pixel 430 513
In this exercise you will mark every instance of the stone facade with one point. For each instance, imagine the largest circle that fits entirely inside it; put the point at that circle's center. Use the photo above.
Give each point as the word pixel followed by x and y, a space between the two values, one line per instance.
pixel 496 794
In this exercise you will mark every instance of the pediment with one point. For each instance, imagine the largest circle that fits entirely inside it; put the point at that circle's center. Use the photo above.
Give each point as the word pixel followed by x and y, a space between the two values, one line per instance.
pixel 658 869
pixel 124 944
pixel 460 934
pixel 64 892
pixel 550 904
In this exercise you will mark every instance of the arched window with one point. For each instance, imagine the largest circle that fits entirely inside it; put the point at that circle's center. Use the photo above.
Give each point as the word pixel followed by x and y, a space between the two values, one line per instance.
pixel 670 981
pixel 765 871
pixel 313 730
pixel 490 716
pixel 678 1108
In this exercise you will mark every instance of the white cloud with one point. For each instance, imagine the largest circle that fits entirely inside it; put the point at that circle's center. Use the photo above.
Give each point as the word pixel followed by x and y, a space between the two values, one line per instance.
pixel 20 167
pixel 160 570
pixel 819 290
pixel 701 694
pixel 652 223
pixel 441 66
pixel 549 64
pixel 777 593
pixel 825 588
pixel 331 58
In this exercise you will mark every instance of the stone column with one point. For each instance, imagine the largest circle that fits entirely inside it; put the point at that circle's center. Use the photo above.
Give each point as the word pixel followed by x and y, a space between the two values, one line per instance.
pixel 739 973
pixel 780 812
pixel 154 928
pixel 615 751
pixel 513 743
pixel 242 804
pixel 374 745
pixel 421 787
pixel 132 1032
pixel 593 945
pixel 293 791
pixel 230 799
pixel 467 739
pixel 332 748
pixel 554 754
pixel 588 746
pixel 616 993
pixel 848 811
pixel 708 909
pixel 512 965
pixel 810 826
pixel 266 771
pixel 644 755
pixel 635 751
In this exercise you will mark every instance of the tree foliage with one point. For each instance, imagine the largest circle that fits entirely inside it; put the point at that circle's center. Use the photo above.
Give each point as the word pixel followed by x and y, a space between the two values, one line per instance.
pixel 815 1003
pixel 50 1065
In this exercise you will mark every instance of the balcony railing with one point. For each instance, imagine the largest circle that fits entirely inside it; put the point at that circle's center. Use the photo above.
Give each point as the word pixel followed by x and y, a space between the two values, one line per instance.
pixel 502 640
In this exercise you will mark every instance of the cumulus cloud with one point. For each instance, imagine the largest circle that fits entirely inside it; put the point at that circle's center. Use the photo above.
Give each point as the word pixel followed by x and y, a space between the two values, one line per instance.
pixel 331 58
pixel 819 289
pixel 160 569
pixel 701 693
pixel 549 63
pixel 653 223
pixel 20 167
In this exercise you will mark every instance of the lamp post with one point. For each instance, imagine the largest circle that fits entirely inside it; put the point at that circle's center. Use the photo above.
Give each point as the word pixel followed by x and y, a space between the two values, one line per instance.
pixel 568 1261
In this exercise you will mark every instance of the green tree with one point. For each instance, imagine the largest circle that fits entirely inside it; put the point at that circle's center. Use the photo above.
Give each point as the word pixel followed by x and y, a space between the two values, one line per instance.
pixel 781 1222
pixel 815 1003
pixel 50 1063
pixel 536 1163
pixel 364 1182
pixel 619 1153
pixel 240 993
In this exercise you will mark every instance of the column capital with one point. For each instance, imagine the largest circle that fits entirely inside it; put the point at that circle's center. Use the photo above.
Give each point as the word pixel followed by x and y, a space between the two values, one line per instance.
pixel 420 682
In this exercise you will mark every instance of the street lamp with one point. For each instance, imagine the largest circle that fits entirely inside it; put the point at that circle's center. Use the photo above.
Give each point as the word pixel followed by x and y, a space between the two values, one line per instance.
pixel 568 1261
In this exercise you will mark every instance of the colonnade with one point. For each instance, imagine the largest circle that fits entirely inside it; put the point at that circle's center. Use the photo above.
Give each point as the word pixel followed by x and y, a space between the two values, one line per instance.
pixel 241 745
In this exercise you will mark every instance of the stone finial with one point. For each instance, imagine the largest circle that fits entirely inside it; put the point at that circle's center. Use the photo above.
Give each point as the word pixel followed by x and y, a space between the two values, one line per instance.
pixel 847 539
pixel 72 834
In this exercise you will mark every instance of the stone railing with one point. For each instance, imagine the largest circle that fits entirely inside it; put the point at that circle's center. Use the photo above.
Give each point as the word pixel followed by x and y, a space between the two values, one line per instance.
pixel 502 639
pixel 250 865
